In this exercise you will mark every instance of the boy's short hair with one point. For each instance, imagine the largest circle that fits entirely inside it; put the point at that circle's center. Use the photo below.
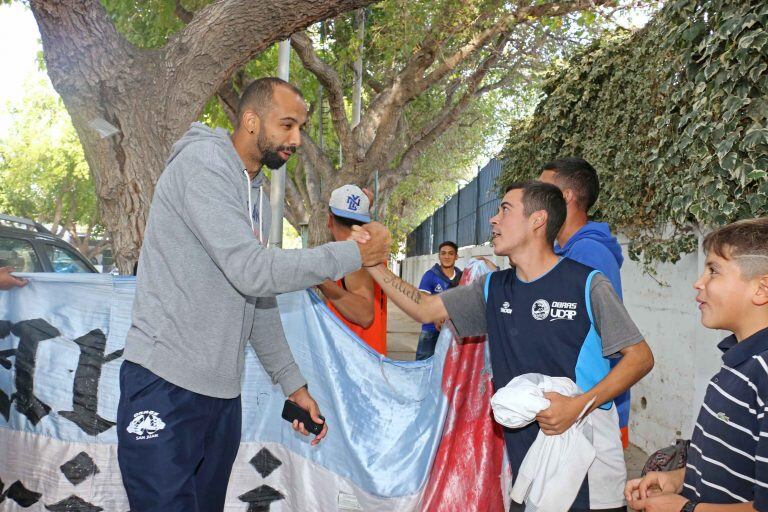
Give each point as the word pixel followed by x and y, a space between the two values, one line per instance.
pixel 578 175
pixel 745 242
pixel 448 243
pixel 543 196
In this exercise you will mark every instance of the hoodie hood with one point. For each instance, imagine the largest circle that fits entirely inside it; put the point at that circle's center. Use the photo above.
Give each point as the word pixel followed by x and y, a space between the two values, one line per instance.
pixel 198 132
pixel 438 271
pixel 599 232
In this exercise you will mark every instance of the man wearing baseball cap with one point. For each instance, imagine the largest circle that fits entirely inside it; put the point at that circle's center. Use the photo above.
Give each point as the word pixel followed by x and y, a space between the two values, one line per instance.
pixel 355 298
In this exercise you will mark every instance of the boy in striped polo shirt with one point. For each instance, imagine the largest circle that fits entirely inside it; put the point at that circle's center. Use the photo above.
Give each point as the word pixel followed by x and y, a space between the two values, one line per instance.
pixel 727 467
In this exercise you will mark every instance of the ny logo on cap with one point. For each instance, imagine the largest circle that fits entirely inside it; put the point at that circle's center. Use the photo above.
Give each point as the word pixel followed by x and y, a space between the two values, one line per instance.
pixel 353 202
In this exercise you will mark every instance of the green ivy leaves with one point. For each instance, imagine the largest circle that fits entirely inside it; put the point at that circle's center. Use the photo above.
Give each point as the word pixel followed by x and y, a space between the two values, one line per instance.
pixel 674 117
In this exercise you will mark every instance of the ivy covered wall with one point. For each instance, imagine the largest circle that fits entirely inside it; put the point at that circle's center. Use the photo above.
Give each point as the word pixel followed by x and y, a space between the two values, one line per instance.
pixel 673 117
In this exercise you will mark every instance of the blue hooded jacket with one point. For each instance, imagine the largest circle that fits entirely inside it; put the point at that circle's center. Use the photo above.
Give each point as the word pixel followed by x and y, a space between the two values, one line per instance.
pixel 595 246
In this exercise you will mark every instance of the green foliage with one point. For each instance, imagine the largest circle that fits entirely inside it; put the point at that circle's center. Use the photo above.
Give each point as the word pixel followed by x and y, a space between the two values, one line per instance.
pixel 42 163
pixel 148 23
pixel 674 117
pixel 394 30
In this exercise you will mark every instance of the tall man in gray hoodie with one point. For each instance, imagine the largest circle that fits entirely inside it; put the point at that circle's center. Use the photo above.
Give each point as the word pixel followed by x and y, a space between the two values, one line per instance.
pixel 206 285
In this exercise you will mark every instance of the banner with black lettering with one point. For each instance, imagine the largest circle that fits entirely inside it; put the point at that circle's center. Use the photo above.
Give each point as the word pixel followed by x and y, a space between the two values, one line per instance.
pixel 61 341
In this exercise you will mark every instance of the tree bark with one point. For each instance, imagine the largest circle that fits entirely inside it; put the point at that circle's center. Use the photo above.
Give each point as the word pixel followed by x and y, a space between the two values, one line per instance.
pixel 151 96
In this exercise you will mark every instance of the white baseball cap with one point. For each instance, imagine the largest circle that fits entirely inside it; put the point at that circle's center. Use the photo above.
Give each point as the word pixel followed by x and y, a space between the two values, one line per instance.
pixel 350 202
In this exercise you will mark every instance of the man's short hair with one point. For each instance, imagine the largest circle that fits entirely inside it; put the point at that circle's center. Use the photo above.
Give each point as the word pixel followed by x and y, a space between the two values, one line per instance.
pixel 578 175
pixel 543 196
pixel 344 221
pixel 258 95
pixel 448 243
pixel 745 242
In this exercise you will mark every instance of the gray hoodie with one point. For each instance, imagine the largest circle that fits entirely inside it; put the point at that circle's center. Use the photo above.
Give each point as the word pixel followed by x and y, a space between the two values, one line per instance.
pixel 205 283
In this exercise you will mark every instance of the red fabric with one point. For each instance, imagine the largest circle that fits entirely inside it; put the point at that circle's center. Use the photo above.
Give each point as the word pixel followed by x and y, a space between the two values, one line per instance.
pixel 466 475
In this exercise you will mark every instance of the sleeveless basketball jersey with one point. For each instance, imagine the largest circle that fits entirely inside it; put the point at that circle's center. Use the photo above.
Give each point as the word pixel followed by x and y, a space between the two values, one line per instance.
pixel 546 326
pixel 376 334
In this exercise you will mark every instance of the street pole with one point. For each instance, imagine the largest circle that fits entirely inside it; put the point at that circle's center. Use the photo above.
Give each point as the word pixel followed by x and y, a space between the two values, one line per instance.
pixel 357 97
pixel 277 190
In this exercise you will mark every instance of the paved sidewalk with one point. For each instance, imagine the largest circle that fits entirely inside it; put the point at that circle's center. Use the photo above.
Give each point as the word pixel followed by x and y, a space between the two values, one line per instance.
pixel 402 334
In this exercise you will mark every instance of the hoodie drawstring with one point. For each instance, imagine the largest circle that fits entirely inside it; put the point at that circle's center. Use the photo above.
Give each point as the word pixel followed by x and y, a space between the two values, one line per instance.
pixel 261 216
pixel 250 204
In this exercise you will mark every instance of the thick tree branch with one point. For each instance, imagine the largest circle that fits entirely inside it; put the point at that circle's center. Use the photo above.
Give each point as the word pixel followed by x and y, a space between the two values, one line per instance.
pixel 79 55
pixel 225 35
pixel 228 99
pixel 315 156
pixel 447 116
pixel 294 201
pixel 376 130
pixel 327 76
pixel 317 169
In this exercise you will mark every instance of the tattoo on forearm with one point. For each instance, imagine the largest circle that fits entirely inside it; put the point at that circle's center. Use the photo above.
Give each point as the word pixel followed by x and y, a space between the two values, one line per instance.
pixel 403 287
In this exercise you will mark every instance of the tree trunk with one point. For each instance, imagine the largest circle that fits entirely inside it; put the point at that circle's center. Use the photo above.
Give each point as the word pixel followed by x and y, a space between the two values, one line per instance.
pixel 151 96
pixel 318 225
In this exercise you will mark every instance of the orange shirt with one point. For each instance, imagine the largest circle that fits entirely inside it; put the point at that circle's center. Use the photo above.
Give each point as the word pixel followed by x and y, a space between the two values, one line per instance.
pixel 375 335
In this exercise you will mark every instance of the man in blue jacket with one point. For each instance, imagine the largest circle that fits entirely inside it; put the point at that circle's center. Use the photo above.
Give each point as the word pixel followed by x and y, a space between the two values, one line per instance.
pixel 586 241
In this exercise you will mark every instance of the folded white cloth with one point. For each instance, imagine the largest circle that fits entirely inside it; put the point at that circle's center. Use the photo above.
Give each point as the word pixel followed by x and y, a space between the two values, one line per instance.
pixel 555 466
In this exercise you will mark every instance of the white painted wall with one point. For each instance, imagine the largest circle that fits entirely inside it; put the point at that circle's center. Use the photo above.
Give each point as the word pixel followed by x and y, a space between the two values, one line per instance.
pixel 666 402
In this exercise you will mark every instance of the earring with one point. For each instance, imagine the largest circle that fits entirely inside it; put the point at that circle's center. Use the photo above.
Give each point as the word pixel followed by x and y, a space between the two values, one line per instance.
pixel 251 131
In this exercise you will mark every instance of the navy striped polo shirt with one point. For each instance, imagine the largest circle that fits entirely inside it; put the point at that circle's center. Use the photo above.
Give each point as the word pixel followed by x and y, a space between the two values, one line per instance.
pixel 728 454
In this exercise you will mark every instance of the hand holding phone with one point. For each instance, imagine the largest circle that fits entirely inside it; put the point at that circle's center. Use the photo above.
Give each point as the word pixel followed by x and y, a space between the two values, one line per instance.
pixel 292 411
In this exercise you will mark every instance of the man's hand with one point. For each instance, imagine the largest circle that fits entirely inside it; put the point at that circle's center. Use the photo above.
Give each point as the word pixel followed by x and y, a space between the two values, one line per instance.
pixel 655 483
pixel 302 398
pixel 563 412
pixel 7 281
pixel 660 503
pixel 376 249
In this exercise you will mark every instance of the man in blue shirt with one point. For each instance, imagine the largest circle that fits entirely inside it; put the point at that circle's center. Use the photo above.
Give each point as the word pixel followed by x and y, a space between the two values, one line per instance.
pixel 585 241
pixel 549 315
pixel 440 277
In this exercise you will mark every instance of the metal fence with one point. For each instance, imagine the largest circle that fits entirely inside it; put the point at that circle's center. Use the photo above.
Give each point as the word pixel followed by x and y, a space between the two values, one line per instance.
pixel 463 218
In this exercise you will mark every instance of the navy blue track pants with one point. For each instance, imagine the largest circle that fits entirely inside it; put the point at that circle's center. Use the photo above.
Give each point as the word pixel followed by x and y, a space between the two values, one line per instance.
pixel 176 448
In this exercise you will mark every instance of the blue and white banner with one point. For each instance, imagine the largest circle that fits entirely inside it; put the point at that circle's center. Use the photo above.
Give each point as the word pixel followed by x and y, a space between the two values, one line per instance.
pixel 61 340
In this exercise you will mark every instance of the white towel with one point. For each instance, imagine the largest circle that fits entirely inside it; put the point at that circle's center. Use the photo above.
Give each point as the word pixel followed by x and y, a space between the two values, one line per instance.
pixel 555 466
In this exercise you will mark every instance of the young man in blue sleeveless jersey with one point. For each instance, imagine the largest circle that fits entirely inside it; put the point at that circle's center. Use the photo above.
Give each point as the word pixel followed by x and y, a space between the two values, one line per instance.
pixel 547 315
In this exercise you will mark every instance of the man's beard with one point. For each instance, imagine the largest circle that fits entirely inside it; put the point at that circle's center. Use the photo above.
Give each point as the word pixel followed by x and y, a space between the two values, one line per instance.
pixel 272 160
pixel 270 155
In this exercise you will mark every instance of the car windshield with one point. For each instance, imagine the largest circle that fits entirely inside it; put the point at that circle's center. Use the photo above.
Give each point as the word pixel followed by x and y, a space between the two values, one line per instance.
pixel 65 261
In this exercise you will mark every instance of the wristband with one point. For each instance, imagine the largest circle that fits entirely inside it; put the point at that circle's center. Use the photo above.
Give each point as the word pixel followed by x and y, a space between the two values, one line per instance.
pixel 689 506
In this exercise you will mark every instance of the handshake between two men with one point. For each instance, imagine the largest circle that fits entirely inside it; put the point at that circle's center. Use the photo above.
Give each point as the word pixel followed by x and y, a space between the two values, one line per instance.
pixel 374 242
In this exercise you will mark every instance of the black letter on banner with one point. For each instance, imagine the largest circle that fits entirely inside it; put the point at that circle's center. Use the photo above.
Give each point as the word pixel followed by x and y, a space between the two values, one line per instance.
pixel 5 400
pixel 30 333
pixel 85 393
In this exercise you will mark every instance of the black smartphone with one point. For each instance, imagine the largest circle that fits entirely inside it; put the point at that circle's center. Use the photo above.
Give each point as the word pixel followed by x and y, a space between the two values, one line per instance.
pixel 291 411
